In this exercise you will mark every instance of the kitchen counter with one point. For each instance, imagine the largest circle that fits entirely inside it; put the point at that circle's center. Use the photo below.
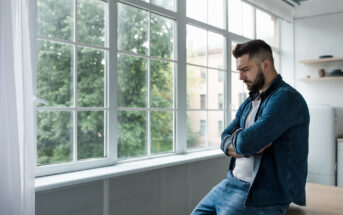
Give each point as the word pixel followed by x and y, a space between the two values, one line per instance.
pixel 320 200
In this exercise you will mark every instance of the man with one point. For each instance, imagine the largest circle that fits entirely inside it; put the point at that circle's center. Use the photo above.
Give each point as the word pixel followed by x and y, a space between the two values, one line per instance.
pixel 267 142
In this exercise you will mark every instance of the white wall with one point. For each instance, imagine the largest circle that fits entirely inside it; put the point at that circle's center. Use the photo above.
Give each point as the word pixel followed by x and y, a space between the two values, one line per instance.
pixel 318 30
pixel 166 191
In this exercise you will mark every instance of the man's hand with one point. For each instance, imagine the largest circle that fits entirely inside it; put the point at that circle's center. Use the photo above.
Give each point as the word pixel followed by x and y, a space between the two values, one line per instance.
pixel 232 153
pixel 264 148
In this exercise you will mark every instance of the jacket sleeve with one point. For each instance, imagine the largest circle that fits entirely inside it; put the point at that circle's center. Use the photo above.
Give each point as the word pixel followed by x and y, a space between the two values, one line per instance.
pixel 281 113
pixel 229 132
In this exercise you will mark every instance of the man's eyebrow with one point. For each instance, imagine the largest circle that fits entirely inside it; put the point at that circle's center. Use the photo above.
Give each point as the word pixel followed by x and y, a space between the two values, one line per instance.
pixel 243 68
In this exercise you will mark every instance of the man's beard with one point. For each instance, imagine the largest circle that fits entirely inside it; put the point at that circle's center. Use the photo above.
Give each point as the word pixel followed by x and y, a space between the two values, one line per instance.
pixel 258 83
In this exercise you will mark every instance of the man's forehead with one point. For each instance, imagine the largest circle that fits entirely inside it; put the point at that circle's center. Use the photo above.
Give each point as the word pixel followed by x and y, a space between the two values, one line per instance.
pixel 243 61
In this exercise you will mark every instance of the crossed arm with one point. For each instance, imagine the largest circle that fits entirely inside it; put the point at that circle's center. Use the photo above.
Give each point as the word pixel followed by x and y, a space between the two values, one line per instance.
pixel 280 114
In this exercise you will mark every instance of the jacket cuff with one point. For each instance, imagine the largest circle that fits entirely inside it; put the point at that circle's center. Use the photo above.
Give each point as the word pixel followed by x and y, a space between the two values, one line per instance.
pixel 229 140
pixel 234 144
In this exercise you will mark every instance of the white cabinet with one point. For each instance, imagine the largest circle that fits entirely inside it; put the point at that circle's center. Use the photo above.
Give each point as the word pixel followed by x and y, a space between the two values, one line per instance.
pixel 322 146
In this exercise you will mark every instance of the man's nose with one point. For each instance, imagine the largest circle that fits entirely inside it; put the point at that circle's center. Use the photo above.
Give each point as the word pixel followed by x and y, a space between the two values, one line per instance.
pixel 241 76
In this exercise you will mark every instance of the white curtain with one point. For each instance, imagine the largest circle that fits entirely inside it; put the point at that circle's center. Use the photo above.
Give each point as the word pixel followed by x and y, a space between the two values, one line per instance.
pixel 17 139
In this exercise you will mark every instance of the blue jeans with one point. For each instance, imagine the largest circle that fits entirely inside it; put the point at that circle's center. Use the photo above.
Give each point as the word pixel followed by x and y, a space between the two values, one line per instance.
pixel 228 197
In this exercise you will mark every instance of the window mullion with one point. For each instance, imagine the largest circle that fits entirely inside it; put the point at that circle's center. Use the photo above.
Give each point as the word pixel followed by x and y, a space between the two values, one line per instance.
pixel 149 88
pixel 227 84
pixel 227 74
pixel 226 15
pixel 75 86
pixel 254 17
pixel 181 116
pixel 112 80
pixel 207 59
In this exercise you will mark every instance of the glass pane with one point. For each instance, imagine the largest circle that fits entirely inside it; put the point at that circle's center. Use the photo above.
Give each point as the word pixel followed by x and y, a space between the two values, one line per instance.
pixel 90 77
pixel 55 74
pixel 162 37
pixel 90 134
pixel 132 81
pixel 233 59
pixel 54 137
pixel 196 87
pixel 167 4
pixel 241 18
pixel 215 128
pixel 216 13
pixel 197 9
pixel 215 50
pixel 91 22
pixel 239 91
pixel 267 28
pixel 55 18
pixel 276 57
pixel 196 45
pixel 161 131
pixel 215 90
pixel 132 29
pixel 132 134
pixel 247 20
pixel 196 129
pixel 162 84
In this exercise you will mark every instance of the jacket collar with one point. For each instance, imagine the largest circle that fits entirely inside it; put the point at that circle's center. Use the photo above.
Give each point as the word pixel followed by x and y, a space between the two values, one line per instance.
pixel 275 83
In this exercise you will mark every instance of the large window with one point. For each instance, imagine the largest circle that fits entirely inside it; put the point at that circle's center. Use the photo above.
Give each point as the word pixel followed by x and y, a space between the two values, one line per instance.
pixel 112 86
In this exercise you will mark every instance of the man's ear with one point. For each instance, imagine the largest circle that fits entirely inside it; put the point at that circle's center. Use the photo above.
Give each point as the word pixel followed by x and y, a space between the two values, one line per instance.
pixel 266 65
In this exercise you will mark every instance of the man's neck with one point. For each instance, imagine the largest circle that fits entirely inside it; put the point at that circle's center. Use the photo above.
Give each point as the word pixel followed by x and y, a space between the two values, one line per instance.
pixel 268 80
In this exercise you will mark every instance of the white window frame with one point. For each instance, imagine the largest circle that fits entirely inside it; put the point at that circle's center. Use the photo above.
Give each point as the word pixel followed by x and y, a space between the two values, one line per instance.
pixel 180 58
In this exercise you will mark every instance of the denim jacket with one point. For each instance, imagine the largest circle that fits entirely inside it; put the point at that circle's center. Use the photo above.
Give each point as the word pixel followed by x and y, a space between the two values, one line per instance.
pixel 280 172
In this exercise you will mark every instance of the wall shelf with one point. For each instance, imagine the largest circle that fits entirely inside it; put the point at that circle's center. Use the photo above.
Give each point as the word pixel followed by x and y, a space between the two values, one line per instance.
pixel 321 60
pixel 322 79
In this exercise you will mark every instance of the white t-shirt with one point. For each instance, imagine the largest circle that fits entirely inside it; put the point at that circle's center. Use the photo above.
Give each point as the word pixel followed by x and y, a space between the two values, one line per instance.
pixel 245 166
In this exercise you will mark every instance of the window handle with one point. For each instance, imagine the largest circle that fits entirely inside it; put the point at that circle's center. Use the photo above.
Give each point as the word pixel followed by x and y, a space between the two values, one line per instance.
pixel 38 100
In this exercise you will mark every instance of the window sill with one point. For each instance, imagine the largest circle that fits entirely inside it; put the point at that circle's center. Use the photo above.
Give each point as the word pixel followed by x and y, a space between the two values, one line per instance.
pixel 72 178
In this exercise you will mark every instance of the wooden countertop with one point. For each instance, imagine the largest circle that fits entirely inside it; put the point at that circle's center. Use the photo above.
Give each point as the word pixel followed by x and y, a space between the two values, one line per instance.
pixel 320 200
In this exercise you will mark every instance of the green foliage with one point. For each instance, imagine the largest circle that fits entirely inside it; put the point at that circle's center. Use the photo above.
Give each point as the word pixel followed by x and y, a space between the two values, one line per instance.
pixel 55 137
pixel 132 133
pixel 91 22
pixel 90 136
pixel 55 18
pixel 90 77
pixel 55 76
pixel 161 131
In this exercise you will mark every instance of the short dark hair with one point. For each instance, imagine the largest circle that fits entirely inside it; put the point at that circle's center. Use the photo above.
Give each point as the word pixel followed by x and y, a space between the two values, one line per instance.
pixel 255 48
